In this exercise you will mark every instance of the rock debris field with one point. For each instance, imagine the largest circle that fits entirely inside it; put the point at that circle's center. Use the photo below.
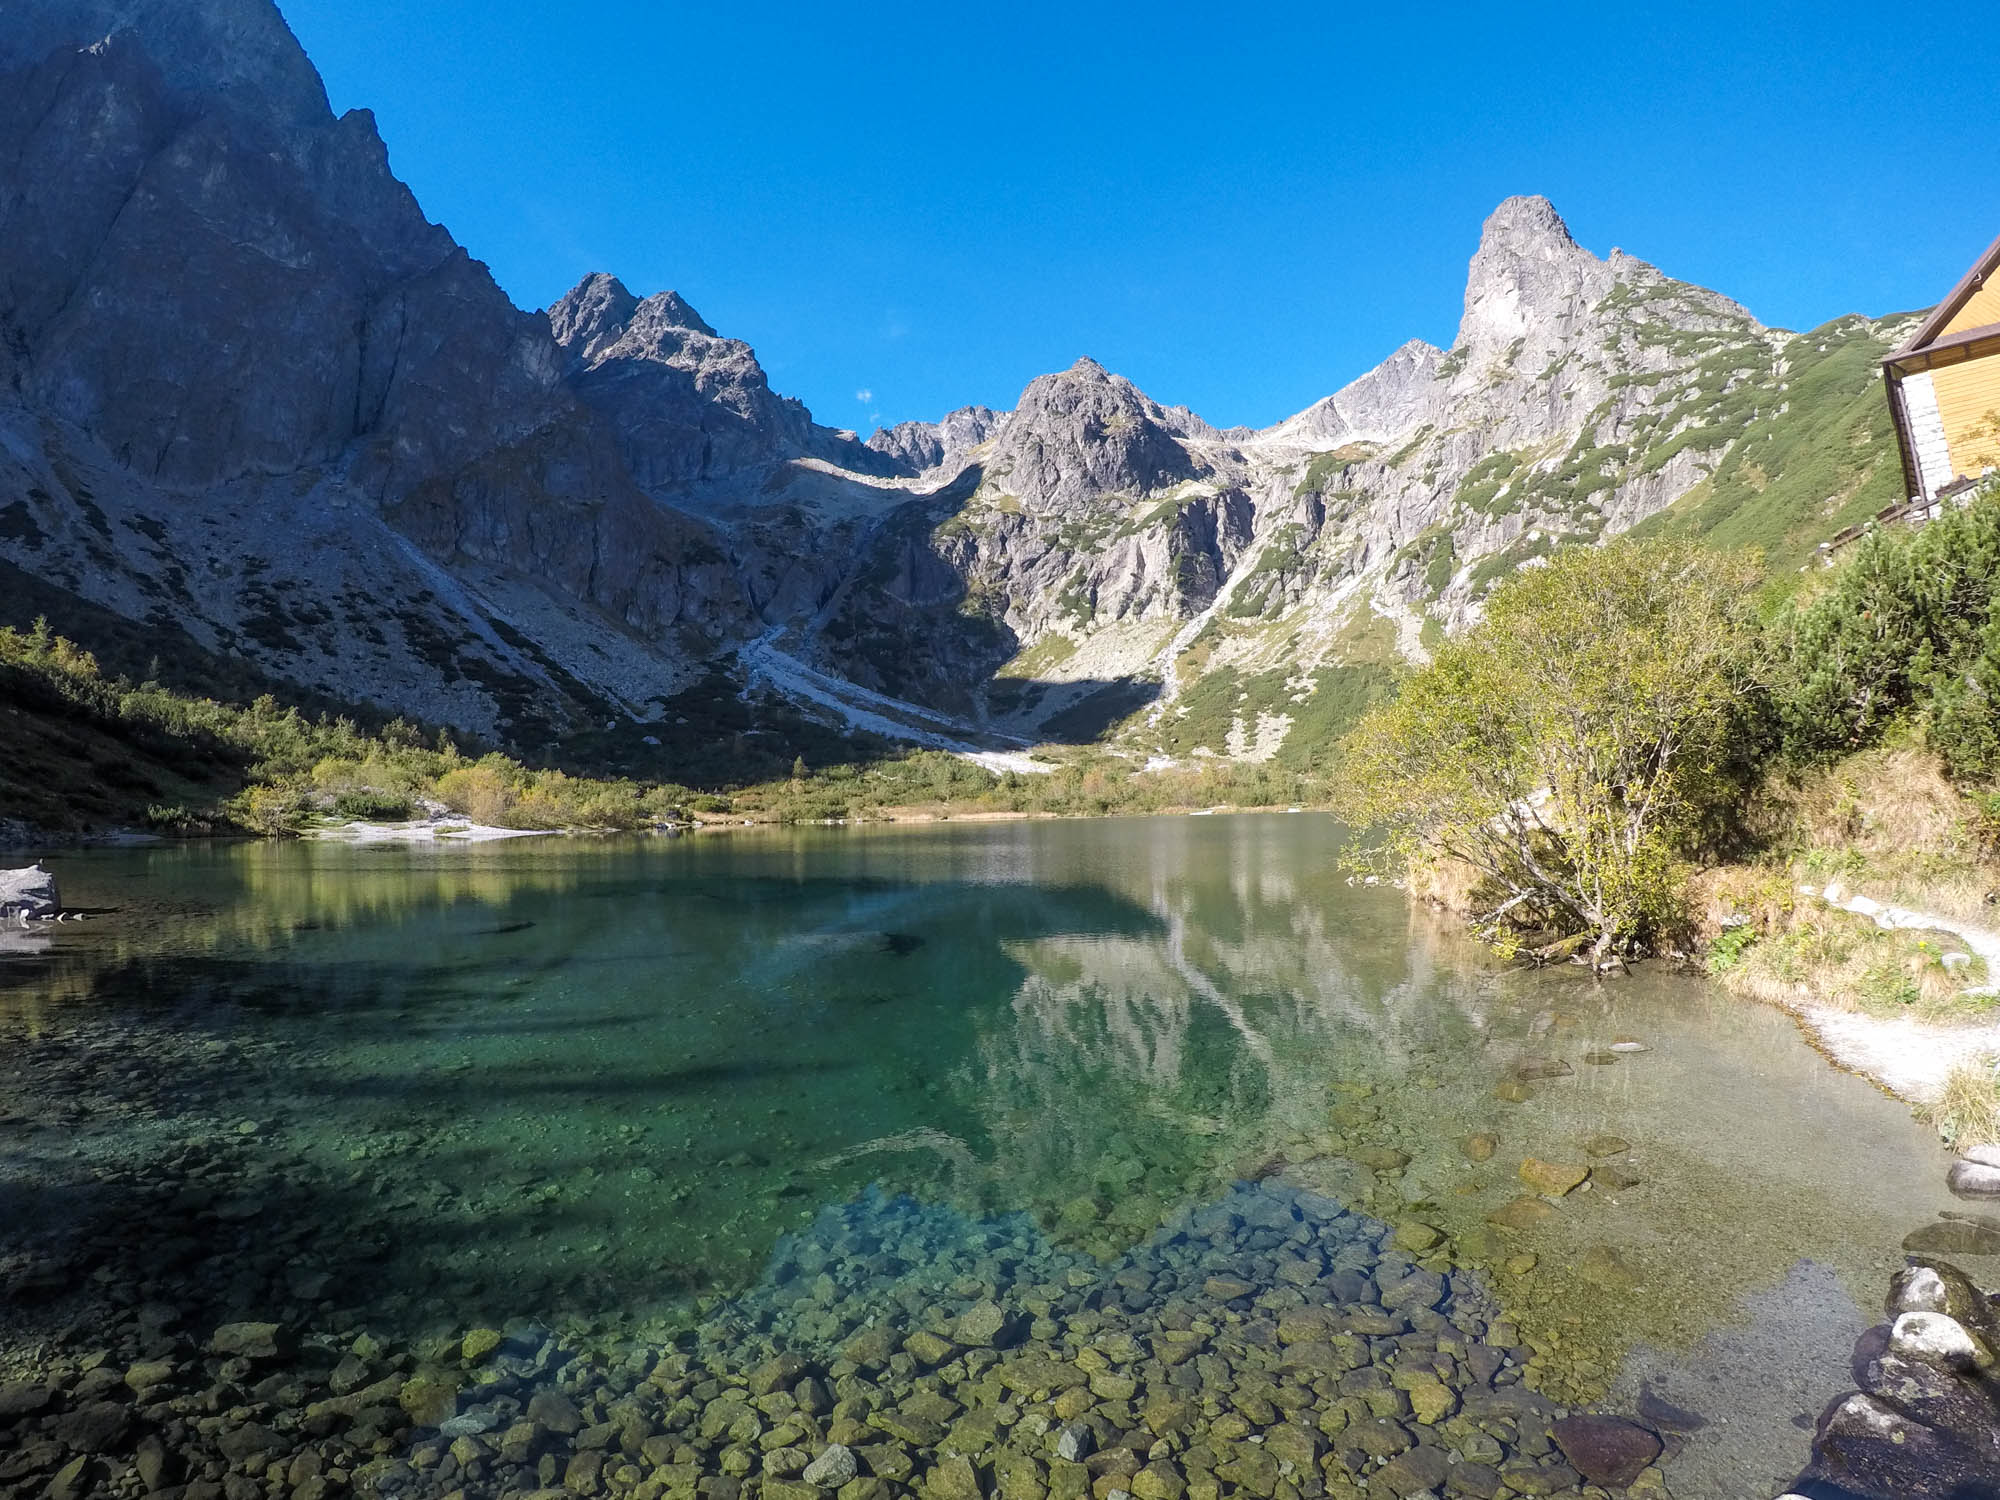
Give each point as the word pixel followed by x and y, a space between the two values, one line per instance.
pixel 1270 1344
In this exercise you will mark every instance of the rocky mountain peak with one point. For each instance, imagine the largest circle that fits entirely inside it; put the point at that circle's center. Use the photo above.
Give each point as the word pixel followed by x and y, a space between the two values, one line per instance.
pixel 917 447
pixel 1530 285
pixel 237 51
pixel 1525 222
pixel 591 316
pixel 600 313
pixel 1085 432
pixel 673 312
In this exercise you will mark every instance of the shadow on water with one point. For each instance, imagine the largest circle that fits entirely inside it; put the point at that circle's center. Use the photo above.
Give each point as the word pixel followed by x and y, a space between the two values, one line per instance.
pixel 365 1109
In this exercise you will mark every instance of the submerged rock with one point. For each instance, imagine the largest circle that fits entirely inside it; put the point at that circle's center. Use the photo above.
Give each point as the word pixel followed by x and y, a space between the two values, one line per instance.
pixel 1606 1450
pixel 1954 1237
pixel 1554 1179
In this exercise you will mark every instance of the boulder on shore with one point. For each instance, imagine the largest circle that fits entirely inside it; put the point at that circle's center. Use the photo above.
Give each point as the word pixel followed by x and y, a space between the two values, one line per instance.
pixel 27 894
pixel 1925 1424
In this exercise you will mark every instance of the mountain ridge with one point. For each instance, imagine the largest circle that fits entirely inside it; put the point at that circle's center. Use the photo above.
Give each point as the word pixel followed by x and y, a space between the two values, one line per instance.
pixel 249 392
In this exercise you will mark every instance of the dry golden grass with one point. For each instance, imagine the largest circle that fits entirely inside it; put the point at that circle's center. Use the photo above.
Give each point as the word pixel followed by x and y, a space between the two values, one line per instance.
pixel 1451 884
pixel 1882 803
pixel 1967 1113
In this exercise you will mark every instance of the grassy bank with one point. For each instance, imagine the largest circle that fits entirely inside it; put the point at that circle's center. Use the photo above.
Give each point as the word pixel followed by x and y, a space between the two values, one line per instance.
pixel 1885 823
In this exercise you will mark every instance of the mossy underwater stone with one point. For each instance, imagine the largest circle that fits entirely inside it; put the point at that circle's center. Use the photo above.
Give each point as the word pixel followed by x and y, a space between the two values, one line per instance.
pixel 1954 1237
pixel 1606 1450
pixel 479 1343
pixel 1481 1147
pixel 1553 1179
pixel 429 1398
pixel 1603 1266
pixel 1522 1213
pixel 1416 1236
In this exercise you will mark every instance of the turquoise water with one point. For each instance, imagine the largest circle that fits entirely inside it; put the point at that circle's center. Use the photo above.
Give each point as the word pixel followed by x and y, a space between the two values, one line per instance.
pixel 599 1084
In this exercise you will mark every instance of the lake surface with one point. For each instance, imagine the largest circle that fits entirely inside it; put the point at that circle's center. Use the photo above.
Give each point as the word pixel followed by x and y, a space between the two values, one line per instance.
pixel 649 1090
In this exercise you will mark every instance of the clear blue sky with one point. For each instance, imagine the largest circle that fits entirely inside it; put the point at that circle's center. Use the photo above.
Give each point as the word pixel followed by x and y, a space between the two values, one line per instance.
pixel 1240 209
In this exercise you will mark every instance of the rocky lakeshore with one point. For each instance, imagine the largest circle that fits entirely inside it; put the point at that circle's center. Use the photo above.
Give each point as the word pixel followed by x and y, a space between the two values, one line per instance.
pixel 1925 1424
pixel 1271 1344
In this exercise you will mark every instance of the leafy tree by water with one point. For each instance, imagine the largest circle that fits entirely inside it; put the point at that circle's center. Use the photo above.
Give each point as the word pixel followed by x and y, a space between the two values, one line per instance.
pixel 1570 745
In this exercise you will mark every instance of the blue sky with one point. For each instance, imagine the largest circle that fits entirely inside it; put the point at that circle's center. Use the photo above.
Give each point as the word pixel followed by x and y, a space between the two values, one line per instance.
pixel 911 208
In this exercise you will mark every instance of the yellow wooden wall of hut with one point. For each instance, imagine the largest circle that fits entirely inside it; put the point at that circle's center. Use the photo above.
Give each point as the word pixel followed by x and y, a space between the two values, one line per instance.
pixel 1968 397
pixel 1981 309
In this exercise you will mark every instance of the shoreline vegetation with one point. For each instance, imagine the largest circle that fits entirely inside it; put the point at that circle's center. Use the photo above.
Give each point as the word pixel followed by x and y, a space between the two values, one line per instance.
pixel 1643 749
pixel 84 752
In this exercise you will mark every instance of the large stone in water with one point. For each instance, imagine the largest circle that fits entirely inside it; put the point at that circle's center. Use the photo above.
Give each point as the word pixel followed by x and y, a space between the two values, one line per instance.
pixel 1037 1372
pixel 429 1397
pixel 833 1468
pixel 954 1479
pixel 1532 1479
pixel 1973 1179
pixel 1606 1450
pixel 782 1370
pixel 1552 1179
pixel 1929 1284
pixel 1253 1470
pixel 1529 1069
pixel 23 1399
pixel 248 1341
pixel 28 893
pixel 927 1349
pixel 1418 1289
pixel 1522 1213
pixel 986 1324
pixel 1939 1340
pixel 1937 1398
pixel 1412 1473
pixel 1874 1450
pixel 872 1347
pixel 98 1427
pixel 555 1412
pixel 1954 1237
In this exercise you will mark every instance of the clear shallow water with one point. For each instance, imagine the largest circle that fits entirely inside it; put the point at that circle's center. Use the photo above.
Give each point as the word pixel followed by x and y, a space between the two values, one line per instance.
pixel 600 1083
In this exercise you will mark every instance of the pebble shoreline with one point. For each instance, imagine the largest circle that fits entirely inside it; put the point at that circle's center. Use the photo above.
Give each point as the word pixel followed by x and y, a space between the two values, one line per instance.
pixel 1272 1344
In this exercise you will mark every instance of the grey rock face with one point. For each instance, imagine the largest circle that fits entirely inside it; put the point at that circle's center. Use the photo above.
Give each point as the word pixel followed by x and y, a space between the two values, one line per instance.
pixel 1087 433
pixel 686 405
pixel 222 313
pixel 918 447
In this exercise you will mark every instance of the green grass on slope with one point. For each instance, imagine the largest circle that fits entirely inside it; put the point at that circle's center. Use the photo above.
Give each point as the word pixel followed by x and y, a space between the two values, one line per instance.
pixel 72 764
pixel 1211 704
pixel 1825 461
